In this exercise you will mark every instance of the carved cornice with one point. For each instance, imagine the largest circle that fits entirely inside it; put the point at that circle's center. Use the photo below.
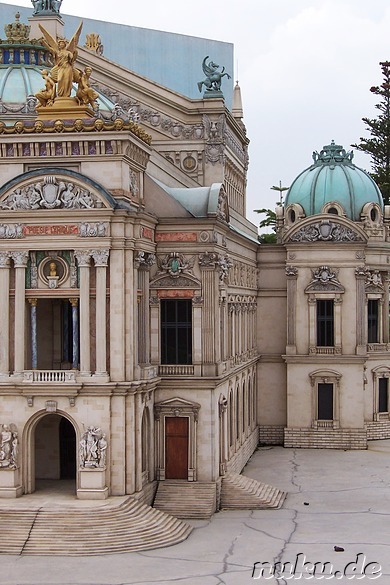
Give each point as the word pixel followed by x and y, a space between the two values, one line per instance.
pixel 78 125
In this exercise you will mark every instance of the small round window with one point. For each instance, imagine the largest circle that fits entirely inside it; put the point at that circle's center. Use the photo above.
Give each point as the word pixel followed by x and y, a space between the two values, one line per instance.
pixel 373 214
pixel 292 216
pixel 333 211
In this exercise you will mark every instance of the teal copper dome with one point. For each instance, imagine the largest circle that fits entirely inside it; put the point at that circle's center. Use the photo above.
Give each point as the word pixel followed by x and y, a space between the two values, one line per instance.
pixel 333 178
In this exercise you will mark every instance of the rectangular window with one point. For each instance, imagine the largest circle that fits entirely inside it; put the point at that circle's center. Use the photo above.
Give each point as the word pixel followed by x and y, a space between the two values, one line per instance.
pixel 373 321
pixel 383 405
pixel 325 323
pixel 176 331
pixel 325 401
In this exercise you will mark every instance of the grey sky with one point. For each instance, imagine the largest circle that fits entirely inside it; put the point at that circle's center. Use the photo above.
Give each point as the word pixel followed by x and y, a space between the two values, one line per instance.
pixel 304 67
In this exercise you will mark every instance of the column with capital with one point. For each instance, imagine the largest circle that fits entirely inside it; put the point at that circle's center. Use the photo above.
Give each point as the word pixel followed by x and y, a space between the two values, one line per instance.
pixel 4 314
pixel 34 347
pixel 20 262
pixel 100 258
pixel 75 333
pixel 83 258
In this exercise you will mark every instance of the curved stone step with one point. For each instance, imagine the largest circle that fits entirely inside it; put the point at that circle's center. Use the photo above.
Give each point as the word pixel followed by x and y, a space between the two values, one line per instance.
pixel 129 526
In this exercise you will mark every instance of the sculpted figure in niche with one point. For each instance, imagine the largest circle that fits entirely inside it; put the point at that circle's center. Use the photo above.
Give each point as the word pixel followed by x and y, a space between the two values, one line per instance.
pixel 93 448
pixel 52 269
pixel 64 55
pixel 8 446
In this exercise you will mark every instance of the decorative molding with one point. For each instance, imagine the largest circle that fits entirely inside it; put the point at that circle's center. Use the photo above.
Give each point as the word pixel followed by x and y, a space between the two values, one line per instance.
pixel 291 271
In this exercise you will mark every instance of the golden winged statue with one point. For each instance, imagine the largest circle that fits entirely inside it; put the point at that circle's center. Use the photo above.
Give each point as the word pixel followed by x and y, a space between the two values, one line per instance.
pixel 64 55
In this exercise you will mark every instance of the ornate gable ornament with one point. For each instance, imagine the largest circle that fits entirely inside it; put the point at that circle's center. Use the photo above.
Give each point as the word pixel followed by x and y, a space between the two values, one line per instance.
pixel 374 283
pixel 177 407
pixel 324 280
pixel 324 230
pixel 52 191
pixel 175 271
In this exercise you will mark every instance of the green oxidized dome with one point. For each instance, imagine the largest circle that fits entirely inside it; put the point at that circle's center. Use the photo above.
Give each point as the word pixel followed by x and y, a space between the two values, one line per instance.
pixel 333 178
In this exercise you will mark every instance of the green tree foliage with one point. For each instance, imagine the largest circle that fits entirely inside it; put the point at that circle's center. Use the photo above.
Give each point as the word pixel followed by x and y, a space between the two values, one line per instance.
pixel 378 144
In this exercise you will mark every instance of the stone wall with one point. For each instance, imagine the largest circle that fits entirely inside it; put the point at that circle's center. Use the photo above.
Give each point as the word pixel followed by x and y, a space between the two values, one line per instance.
pixel 325 438
pixel 378 430
pixel 240 458
pixel 271 435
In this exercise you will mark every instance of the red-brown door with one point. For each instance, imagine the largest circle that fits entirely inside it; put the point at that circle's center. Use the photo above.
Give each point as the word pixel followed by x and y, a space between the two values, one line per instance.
pixel 176 447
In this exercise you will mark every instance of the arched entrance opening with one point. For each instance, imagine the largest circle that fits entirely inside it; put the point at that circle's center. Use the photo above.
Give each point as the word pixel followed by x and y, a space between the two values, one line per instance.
pixel 55 453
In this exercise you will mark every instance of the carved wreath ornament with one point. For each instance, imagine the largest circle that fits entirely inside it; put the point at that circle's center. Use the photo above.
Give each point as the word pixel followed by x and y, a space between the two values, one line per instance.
pixel 50 193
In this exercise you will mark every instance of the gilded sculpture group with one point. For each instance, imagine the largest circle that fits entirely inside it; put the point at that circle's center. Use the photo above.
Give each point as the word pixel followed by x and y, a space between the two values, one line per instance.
pixel 59 81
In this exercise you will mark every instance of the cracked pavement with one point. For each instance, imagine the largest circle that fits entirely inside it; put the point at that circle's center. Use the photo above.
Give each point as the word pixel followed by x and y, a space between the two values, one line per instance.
pixel 348 499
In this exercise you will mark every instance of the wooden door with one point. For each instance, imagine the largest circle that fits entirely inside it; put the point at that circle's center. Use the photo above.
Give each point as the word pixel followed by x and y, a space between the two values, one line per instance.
pixel 176 447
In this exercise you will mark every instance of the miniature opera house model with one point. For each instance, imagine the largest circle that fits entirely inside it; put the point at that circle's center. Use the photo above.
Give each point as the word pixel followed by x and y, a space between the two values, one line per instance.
pixel 145 334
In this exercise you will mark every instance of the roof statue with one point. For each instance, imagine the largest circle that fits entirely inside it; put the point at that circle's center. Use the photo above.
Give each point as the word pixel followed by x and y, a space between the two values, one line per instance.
pixel 64 54
pixel 213 79
pixel 46 7
pixel 55 97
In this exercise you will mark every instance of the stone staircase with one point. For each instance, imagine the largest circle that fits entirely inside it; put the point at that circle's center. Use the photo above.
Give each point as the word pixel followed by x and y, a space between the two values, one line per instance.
pixel 186 499
pixel 128 527
pixel 240 492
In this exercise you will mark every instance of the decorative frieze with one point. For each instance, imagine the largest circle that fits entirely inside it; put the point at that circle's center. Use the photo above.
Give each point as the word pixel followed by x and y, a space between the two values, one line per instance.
pixel 325 230
pixel 11 231
pixel 93 230
pixel 50 192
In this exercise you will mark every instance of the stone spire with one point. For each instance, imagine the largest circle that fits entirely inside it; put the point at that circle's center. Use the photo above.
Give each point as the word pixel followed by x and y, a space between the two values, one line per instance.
pixel 237 110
